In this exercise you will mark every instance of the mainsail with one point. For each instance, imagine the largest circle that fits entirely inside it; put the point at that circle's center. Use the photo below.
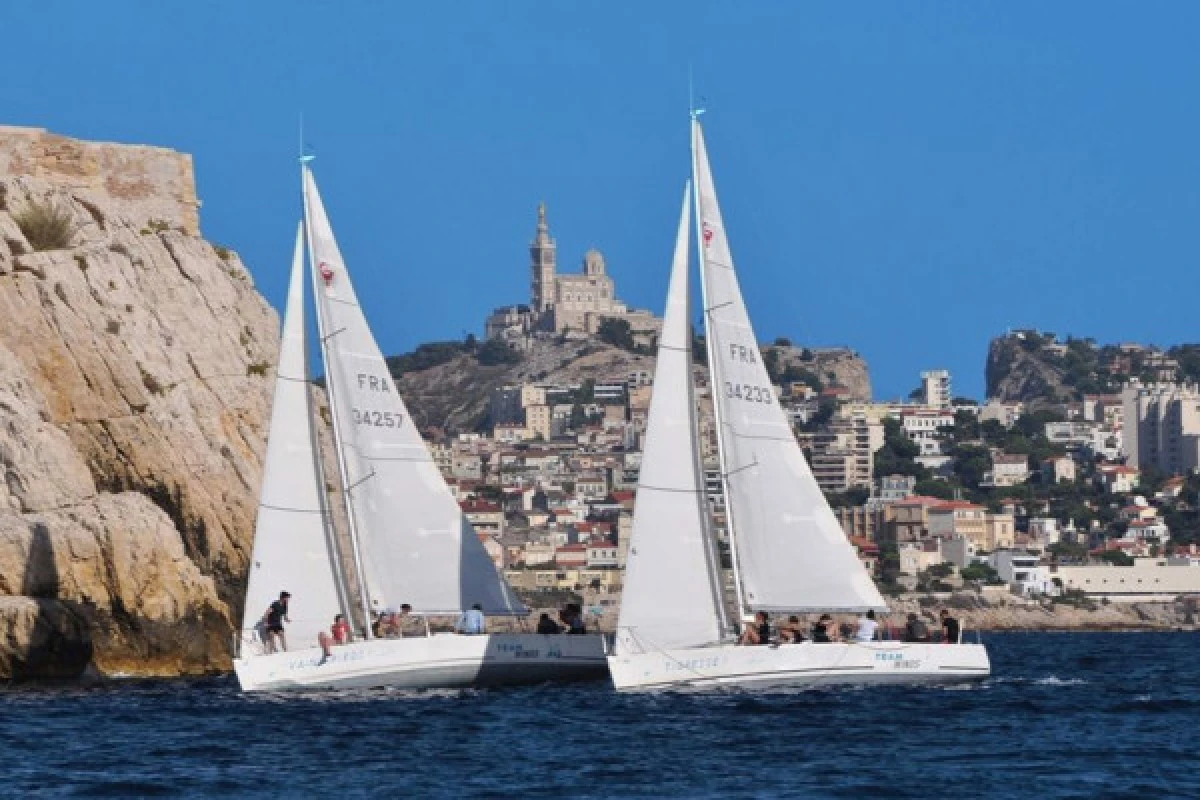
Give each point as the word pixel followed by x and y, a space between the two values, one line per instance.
pixel 417 547
pixel 670 597
pixel 792 553
pixel 293 543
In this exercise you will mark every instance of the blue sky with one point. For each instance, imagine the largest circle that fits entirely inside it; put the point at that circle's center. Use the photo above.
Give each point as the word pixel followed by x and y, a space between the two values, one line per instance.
pixel 908 179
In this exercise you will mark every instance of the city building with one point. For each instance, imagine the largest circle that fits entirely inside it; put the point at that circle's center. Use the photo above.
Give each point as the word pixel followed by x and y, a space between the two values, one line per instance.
pixel 843 452
pixel 1058 469
pixel 935 388
pixel 986 531
pixel 1148 580
pixel 567 302
pixel 924 426
pixel 1022 572
pixel 1162 426
pixel 1007 470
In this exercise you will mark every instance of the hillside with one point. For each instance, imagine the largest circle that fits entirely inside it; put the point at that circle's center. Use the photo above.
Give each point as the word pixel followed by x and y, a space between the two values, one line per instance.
pixel 447 385
pixel 1036 368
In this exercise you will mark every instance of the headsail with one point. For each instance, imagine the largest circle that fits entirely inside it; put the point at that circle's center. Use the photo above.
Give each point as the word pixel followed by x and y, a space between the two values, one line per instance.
pixel 293 544
pixel 670 596
pixel 792 553
pixel 418 548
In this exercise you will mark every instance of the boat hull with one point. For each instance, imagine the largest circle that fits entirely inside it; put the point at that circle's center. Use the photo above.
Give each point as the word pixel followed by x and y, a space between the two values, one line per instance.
pixel 441 661
pixel 804 665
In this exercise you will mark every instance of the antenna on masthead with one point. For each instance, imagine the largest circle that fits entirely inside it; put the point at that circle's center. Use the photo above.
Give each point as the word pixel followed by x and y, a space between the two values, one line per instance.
pixel 693 111
pixel 305 156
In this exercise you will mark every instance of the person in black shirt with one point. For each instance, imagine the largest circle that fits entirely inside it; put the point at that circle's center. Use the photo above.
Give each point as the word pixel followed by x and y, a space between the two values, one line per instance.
pixel 273 621
pixel 820 631
pixel 915 629
pixel 949 628
pixel 547 625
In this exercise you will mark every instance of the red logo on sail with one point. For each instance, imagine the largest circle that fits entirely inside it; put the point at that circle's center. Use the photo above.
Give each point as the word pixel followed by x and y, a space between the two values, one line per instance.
pixel 326 273
pixel 708 234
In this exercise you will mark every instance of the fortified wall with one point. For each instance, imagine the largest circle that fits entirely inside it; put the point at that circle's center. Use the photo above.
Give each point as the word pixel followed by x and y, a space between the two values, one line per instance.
pixel 145 184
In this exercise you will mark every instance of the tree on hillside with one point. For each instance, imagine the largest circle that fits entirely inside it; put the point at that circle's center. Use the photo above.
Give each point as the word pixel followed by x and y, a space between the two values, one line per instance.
pixel 783 341
pixel 494 352
pixel 618 333
pixel 898 454
pixel 970 463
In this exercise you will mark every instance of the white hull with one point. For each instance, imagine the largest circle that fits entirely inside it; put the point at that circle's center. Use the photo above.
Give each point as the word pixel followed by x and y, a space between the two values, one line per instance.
pixel 804 665
pixel 438 661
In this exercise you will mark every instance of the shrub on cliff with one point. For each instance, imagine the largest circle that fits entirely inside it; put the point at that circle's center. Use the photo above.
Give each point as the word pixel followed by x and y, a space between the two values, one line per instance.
pixel 46 226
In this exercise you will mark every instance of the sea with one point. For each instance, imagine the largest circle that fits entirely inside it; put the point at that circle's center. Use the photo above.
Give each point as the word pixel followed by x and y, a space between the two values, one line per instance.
pixel 1078 715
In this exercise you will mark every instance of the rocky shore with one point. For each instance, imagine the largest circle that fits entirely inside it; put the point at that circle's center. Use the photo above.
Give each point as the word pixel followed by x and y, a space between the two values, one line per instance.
pixel 135 371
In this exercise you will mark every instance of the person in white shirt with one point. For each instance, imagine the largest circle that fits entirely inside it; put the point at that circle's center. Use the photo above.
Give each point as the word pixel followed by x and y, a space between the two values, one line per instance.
pixel 866 628
pixel 471 621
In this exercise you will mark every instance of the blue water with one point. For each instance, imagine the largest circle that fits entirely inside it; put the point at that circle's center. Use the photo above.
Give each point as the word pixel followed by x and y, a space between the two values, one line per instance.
pixel 1066 715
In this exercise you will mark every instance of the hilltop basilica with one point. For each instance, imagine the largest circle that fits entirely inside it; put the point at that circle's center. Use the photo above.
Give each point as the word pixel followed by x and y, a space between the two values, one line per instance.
pixel 570 304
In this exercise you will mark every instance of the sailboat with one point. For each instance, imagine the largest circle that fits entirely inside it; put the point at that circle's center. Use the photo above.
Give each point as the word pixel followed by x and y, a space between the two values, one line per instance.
pixel 409 542
pixel 787 551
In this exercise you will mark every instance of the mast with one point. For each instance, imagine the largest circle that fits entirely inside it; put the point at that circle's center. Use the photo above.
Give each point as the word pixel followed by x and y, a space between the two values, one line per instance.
pixel 714 384
pixel 339 572
pixel 331 393
pixel 715 573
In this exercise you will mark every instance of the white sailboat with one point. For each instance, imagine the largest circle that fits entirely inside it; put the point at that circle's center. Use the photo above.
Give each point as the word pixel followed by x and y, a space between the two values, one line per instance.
pixel 788 551
pixel 410 542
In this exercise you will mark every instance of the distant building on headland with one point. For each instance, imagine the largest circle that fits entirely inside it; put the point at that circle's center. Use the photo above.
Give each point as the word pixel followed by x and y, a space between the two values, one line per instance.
pixel 567 303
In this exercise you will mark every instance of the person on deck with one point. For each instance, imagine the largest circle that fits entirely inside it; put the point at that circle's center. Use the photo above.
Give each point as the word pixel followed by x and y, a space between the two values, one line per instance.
pixel 792 633
pixel 339 633
pixel 400 621
pixel 867 627
pixel 575 621
pixel 340 630
pixel 273 620
pixel 915 630
pixel 950 628
pixel 759 632
pixel 820 630
pixel 547 625
pixel 472 621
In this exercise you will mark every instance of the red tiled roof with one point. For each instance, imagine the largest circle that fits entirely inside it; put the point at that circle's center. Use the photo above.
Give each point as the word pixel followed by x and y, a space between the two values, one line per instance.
pixel 957 505
pixel 478 506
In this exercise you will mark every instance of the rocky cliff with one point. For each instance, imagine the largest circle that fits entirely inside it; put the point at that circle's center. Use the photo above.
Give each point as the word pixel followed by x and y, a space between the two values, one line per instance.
pixel 135 366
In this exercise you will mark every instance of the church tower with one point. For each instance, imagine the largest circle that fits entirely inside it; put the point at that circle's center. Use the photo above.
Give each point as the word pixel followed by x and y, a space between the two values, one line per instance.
pixel 542 252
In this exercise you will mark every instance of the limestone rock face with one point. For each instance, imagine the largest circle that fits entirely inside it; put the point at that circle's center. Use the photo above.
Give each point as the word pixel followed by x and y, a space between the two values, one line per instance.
pixel 135 385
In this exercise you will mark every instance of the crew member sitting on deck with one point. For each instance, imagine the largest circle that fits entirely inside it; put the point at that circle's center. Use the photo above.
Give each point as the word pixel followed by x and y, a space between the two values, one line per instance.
pixel 867 627
pixel 273 620
pixel 573 617
pixel 547 625
pixel 471 621
pixel 759 632
pixel 792 634
pixel 820 630
pixel 949 628
pixel 339 633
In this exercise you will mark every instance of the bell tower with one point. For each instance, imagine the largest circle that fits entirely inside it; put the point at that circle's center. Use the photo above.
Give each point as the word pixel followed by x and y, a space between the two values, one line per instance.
pixel 542 254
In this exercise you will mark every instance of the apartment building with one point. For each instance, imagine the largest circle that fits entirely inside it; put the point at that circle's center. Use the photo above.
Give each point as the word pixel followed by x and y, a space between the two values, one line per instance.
pixel 1162 426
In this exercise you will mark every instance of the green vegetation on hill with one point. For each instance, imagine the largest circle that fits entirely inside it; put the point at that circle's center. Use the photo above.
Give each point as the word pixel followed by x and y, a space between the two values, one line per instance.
pixel 1035 367
pixel 432 354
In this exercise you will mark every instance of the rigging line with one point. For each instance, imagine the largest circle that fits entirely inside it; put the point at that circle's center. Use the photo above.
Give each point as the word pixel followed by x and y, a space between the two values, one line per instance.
pixel 279 377
pixel 329 336
pixel 717 307
pixel 642 486
pixel 341 301
pixel 359 482
pixel 683 349
pixel 400 458
pixel 733 472
pixel 291 510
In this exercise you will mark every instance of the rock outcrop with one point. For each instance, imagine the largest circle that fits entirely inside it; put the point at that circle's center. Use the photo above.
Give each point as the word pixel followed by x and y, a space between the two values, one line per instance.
pixel 1017 372
pixel 135 368
pixel 453 396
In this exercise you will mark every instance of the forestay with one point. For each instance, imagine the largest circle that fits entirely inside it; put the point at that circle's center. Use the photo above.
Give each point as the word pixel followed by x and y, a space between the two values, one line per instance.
pixel 292 540
pixel 669 598
pixel 792 553
pixel 417 546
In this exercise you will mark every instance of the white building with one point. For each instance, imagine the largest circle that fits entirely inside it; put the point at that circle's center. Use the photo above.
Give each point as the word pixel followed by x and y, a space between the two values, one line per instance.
pixel 935 388
pixel 1147 581
pixel 1022 572
pixel 1162 426
pixel 1007 470
pixel 924 426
